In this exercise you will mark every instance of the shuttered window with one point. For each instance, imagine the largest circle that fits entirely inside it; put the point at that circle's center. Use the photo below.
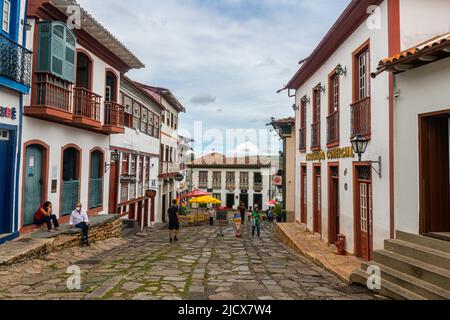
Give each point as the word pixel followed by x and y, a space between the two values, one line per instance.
pixel 6 20
pixel 57 51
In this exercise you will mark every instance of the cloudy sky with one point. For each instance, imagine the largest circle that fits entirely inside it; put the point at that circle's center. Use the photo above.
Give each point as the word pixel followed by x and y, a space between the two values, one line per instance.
pixel 223 59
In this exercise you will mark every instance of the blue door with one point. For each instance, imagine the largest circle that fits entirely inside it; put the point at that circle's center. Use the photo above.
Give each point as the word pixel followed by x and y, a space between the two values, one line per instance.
pixel 33 183
pixel 6 173
pixel 96 181
pixel 71 181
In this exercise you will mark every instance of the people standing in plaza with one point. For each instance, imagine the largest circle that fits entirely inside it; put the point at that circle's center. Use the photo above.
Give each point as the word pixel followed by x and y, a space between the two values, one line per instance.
pixel 242 210
pixel 174 224
pixel 79 219
pixel 212 215
pixel 256 222
pixel 45 215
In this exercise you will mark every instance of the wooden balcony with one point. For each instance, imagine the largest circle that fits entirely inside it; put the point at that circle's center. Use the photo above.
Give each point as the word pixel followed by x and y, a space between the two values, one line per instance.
pixel 315 136
pixel 333 129
pixel 86 108
pixel 114 118
pixel 258 186
pixel 203 184
pixel 169 168
pixel 361 118
pixel 231 185
pixel 217 184
pixel 244 185
pixel 302 142
pixel 51 99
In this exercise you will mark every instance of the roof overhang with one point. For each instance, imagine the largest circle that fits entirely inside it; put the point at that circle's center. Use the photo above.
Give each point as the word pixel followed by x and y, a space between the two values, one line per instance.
pixel 352 17
pixel 92 27
pixel 166 94
pixel 435 49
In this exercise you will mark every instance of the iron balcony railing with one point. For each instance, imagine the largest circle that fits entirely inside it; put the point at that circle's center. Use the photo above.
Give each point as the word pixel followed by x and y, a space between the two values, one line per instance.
pixel 361 118
pixel 333 128
pixel 15 61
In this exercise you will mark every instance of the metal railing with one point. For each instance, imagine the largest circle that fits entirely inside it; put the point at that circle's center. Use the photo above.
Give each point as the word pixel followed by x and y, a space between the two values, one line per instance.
pixel 333 128
pixel 15 61
pixel 114 114
pixel 361 118
pixel 86 104
pixel 52 92
pixel 170 167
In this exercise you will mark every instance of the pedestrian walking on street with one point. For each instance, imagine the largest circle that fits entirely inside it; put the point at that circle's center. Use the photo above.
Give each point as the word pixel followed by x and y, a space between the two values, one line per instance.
pixel 79 219
pixel 242 210
pixel 256 222
pixel 174 224
pixel 45 215
pixel 212 215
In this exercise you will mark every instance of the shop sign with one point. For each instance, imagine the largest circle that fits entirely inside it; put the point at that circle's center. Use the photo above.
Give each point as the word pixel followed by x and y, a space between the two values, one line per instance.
pixel 128 179
pixel 278 181
pixel 8 113
pixel 331 154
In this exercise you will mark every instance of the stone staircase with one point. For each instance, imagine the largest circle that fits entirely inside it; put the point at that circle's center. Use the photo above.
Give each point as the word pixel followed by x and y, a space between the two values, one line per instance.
pixel 412 267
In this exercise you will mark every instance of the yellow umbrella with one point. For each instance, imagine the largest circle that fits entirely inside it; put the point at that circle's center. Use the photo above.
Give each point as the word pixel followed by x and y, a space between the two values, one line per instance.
pixel 205 200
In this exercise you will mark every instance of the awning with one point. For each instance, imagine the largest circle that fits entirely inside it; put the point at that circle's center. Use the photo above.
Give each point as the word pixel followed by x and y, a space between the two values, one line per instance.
pixel 429 51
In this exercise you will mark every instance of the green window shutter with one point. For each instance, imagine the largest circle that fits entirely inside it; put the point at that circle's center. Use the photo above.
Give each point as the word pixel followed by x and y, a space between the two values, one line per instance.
pixel 57 50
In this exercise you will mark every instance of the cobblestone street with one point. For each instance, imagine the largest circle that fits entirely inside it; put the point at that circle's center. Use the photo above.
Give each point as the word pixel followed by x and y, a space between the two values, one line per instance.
pixel 200 266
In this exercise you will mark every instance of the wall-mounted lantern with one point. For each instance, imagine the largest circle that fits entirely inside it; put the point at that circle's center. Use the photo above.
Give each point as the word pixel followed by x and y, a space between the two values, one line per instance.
pixel 359 145
pixel 115 157
pixel 341 70
pixel 320 88
pixel 295 107
pixel 305 99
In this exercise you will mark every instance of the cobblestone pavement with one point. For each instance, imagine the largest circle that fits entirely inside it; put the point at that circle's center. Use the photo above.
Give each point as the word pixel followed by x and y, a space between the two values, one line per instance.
pixel 202 265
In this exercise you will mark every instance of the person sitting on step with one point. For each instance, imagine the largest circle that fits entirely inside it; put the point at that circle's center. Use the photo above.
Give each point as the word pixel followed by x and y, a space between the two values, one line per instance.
pixel 45 215
pixel 79 219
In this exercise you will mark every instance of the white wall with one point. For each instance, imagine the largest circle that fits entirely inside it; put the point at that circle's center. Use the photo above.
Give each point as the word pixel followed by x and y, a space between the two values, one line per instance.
pixel 421 20
pixel 57 136
pixel 379 145
pixel 422 90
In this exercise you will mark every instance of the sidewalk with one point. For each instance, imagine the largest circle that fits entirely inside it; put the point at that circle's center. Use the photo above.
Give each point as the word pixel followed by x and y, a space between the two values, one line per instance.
pixel 317 250
pixel 40 243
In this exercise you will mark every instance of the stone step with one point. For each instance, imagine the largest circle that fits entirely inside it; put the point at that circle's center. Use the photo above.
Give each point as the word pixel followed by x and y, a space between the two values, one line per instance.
pixel 424 241
pixel 417 286
pixel 388 289
pixel 425 254
pixel 23 249
pixel 418 269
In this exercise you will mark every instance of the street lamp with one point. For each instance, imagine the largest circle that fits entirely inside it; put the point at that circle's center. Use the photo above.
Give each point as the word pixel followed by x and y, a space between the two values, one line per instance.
pixel 359 145
pixel 115 157
pixel 295 107
pixel 340 70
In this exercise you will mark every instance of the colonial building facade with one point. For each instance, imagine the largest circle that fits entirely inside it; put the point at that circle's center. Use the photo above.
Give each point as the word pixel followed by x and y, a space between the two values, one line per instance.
pixel 73 110
pixel 15 80
pixel 233 180
pixel 170 170
pixel 134 176
pixel 337 101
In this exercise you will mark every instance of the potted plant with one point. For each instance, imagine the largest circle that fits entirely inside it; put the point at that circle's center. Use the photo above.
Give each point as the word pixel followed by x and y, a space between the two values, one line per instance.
pixel 278 212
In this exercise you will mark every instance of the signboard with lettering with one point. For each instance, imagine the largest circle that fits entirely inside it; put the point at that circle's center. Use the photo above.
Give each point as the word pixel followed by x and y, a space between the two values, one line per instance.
pixel 278 181
pixel 331 154
pixel 8 113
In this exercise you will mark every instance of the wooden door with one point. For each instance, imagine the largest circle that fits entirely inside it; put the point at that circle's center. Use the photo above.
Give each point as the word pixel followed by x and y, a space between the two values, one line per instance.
pixel 334 205
pixel 113 187
pixel 317 199
pixel 33 188
pixel 304 195
pixel 365 212
pixel 434 172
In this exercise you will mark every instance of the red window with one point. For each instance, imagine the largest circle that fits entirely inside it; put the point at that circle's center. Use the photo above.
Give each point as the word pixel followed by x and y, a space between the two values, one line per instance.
pixel 125 163
pixel 334 94
pixel 316 105
pixel 133 164
pixel 303 114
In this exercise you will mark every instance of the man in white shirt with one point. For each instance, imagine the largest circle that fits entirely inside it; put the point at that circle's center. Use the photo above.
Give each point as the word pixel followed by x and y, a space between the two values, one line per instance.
pixel 79 219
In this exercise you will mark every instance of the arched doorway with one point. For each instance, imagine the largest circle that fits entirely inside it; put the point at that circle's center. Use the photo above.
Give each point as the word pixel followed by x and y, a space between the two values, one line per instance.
pixel 84 71
pixel 34 181
pixel 70 186
pixel 96 180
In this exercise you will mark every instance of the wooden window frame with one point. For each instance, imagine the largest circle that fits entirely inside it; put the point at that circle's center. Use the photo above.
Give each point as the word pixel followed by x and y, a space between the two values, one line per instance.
pixel 334 104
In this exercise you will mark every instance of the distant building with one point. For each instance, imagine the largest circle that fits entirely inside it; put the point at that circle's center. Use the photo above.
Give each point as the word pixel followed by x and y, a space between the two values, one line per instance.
pixel 234 180
pixel 286 130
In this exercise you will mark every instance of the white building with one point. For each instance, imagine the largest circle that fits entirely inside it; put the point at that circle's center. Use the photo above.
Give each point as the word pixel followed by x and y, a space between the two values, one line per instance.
pixel 233 180
pixel 15 80
pixel 170 169
pixel 73 110
pixel 185 150
pixel 136 171
pixel 337 101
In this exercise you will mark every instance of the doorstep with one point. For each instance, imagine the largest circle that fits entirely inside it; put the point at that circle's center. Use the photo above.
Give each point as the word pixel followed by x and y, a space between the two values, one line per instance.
pixel 318 251
pixel 36 244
